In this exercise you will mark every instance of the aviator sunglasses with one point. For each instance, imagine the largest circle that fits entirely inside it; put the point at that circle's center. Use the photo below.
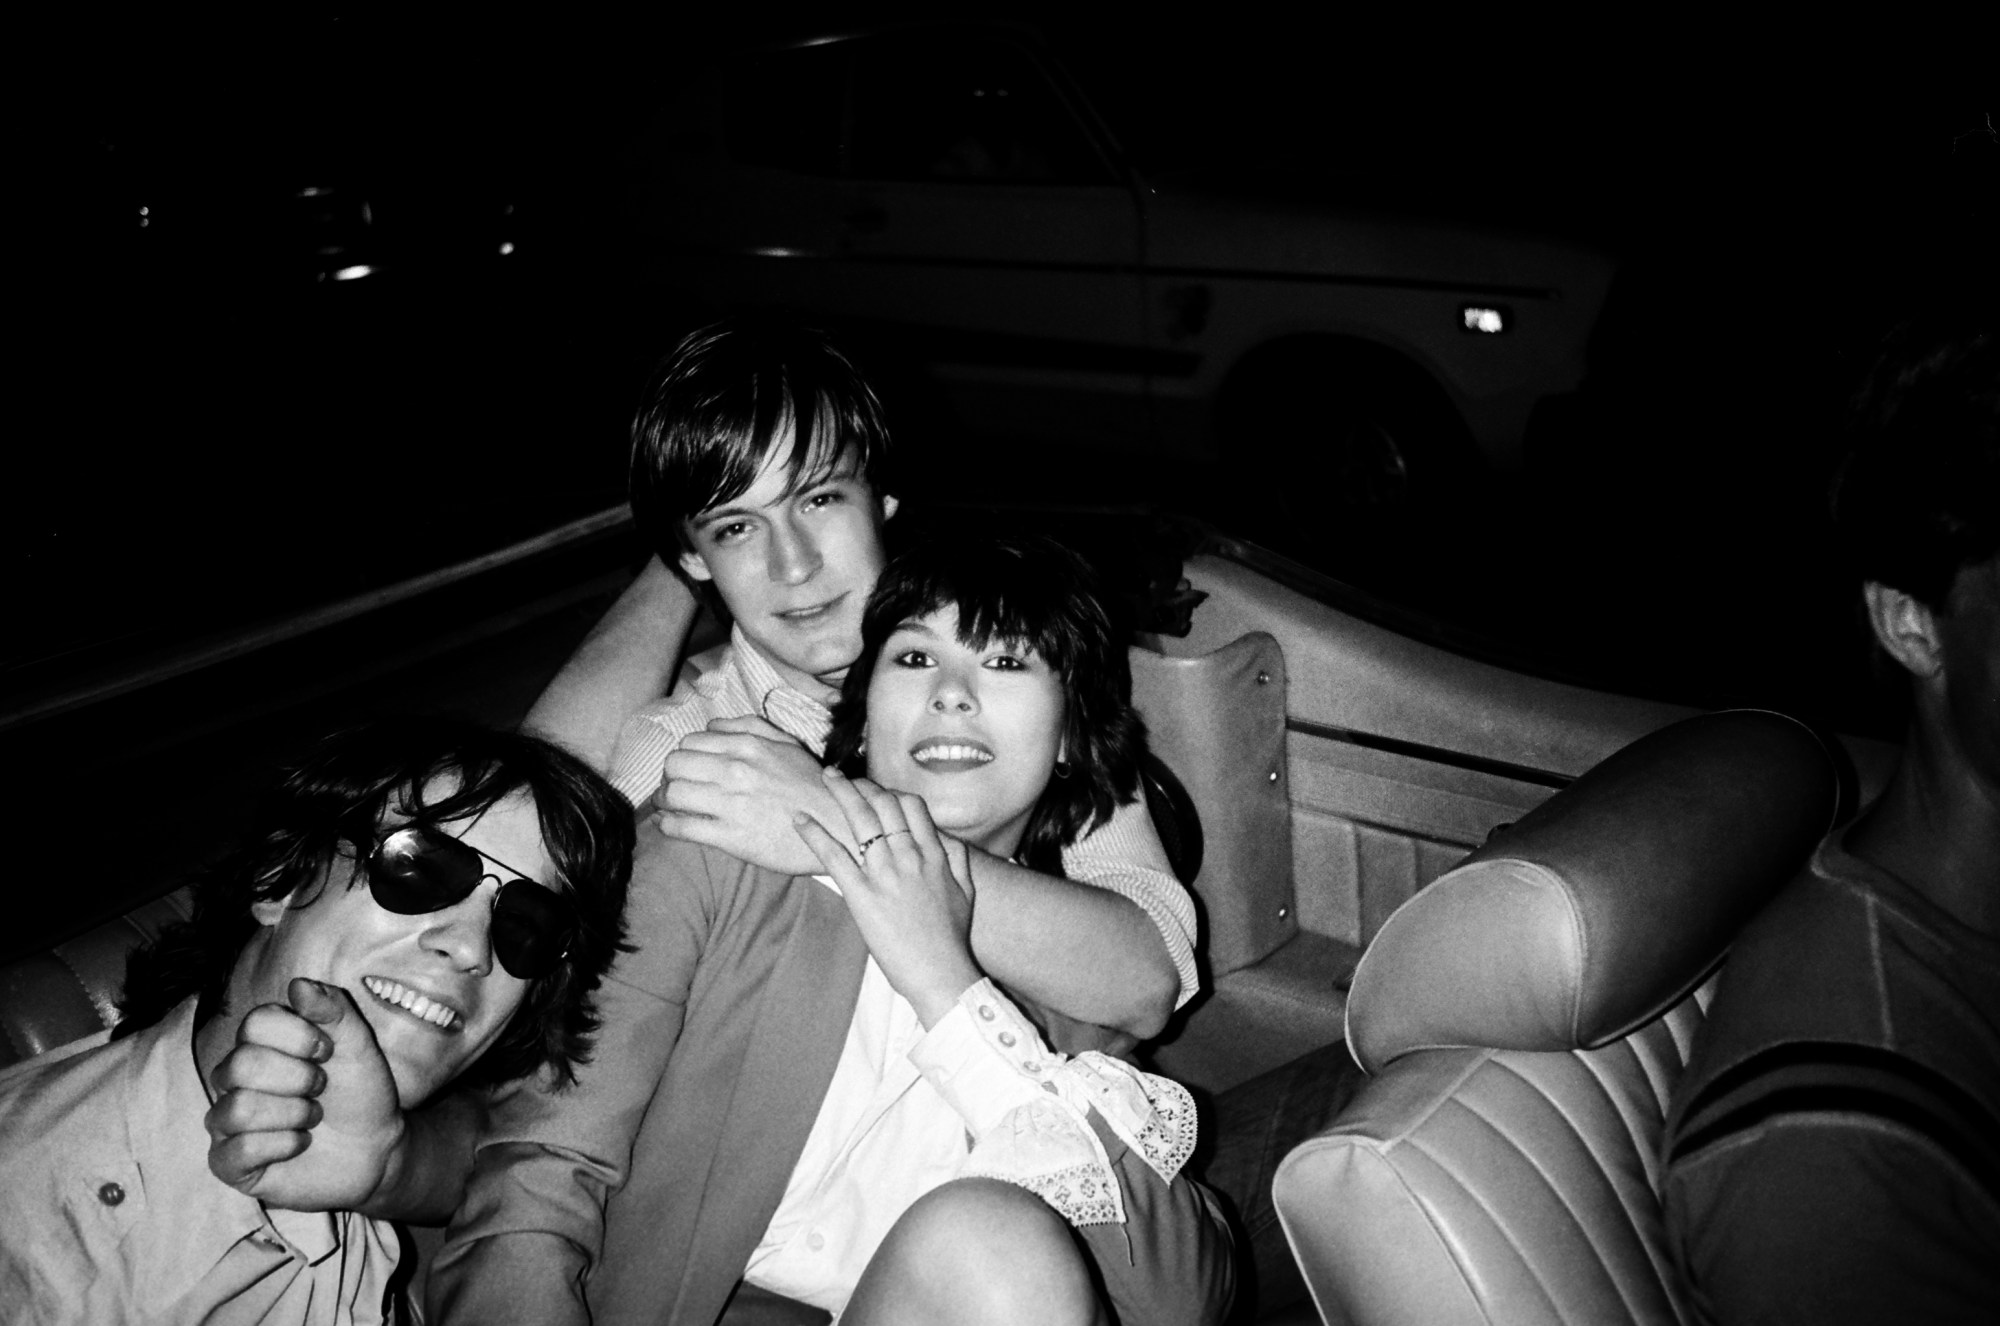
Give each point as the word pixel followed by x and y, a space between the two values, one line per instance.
pixel 416 870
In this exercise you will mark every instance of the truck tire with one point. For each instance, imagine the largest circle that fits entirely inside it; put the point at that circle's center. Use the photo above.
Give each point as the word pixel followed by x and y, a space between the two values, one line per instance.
pixel 1314 436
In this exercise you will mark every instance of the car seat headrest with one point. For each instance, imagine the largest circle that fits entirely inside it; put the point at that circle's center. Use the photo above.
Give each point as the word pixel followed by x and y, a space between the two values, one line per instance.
pixel 1605 905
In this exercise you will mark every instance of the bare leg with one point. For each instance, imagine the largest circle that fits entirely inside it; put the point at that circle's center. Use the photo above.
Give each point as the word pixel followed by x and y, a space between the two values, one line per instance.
pixel 977 1252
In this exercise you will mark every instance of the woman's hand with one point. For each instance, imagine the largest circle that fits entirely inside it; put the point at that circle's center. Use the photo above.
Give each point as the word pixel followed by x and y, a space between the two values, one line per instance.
pixel 913 912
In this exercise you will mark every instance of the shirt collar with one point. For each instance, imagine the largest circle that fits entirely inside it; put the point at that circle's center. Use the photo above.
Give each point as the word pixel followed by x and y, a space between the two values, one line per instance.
pixel 776 700
pixel 169 1140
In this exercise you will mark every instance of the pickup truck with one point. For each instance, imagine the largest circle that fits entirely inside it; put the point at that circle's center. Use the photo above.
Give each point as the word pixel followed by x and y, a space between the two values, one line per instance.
pixel 946 199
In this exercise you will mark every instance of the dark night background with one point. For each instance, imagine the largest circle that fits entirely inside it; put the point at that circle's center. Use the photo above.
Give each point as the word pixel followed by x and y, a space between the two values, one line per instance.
pixel 210 436
pixel 209 439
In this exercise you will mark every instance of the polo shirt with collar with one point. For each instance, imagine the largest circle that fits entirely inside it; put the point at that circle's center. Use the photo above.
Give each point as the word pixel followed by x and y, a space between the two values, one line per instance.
pixel 108 1212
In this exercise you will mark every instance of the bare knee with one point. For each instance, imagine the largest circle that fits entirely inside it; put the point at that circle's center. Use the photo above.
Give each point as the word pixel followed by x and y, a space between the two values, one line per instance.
pixel 977 1252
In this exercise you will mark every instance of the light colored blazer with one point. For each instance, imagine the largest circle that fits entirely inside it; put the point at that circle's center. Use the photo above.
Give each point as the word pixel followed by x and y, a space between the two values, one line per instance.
pixel 650 1182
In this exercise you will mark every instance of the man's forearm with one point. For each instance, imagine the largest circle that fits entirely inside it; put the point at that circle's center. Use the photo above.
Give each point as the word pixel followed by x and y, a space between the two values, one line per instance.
pixel 1081 950
pixel 426 1174
pixel 626 661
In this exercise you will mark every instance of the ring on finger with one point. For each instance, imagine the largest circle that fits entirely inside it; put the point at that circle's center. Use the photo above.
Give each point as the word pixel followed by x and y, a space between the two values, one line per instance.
pixel 862 850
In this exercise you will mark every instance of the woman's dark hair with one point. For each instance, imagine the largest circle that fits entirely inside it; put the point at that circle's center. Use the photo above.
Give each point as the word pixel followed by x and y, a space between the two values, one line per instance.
pixel 322 820
pixel 716 406
pixel 1027 590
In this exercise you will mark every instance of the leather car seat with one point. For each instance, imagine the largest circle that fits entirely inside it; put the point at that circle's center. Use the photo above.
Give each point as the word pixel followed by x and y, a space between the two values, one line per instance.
pixel 70 991
pixel 1524 1020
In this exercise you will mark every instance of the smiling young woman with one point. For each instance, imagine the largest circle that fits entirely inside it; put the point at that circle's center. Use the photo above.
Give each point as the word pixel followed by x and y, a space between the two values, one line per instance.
pixel 992 683
pixel 974 728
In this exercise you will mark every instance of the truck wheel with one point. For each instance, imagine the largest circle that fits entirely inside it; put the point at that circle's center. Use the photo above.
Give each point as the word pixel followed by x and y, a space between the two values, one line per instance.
pixel 1370 461
pixel 1314 443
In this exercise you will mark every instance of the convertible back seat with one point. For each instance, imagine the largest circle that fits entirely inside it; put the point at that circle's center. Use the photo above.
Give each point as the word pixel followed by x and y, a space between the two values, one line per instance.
pixel 1524 1020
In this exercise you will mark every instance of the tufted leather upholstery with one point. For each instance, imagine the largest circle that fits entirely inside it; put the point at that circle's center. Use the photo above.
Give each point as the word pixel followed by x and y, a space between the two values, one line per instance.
pixel 1526 1018
pixel 71 991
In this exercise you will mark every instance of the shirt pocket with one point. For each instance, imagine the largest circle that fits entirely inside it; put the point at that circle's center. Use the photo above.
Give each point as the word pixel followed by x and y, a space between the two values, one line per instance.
pixel 66 1260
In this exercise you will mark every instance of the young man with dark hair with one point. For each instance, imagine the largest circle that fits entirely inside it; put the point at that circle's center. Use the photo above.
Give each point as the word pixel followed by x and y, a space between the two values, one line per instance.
pixel 422 905
pixel 759 472
pixel 1834 1148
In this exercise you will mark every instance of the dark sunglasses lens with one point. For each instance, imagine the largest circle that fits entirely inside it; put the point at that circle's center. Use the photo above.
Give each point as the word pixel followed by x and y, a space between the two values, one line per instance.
pixel 532 928
pixel 414 872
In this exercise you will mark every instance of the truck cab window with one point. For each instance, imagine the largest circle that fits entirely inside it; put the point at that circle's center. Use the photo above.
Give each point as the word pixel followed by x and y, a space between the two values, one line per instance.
pixel 947 108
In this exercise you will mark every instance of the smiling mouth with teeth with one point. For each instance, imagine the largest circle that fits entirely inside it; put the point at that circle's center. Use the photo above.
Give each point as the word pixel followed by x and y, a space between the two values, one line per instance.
pixel 939 752
pixel 812 613
pixel 416 1005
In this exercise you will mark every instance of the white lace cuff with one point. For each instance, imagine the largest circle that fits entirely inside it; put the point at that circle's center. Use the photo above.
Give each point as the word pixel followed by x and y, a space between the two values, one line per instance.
pixel 1027 1107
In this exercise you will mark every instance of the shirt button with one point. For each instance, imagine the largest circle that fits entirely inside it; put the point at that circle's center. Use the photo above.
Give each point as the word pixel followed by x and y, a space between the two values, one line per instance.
pixel 815 1240
pixel 1031 1067
pixel 111 1194
pixel 986 1012
pixel 1007 1038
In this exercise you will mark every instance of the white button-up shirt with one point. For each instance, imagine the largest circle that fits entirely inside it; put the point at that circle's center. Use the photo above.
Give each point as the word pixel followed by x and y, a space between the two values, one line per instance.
pixel 979 1094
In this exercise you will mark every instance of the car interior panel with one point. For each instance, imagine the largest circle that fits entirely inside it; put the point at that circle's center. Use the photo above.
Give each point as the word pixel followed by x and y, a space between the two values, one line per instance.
pixel 1338 767
pixel 1218 720
pixel 1524 1020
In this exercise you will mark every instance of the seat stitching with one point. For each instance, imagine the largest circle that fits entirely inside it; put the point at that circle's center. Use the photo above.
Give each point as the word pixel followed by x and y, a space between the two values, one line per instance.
pixel 1644 1118
pixel 1443 1097
pixel 1684 1022
pixel 1546 1098
pixel 1410 1194
pixel 1650 1162
pixel 1588 1146
pixel 1657 1076
pixel 1507 1235
pixel 1440 1097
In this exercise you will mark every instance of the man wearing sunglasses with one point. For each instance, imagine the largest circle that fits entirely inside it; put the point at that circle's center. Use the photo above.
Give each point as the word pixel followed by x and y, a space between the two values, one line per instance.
pixel 422 905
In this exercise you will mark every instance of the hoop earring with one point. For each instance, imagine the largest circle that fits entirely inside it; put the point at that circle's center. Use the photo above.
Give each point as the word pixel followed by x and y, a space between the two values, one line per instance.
pixel 1062 768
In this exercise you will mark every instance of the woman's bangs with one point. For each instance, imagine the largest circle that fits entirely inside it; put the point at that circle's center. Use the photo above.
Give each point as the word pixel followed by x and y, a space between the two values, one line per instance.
pixel 988 612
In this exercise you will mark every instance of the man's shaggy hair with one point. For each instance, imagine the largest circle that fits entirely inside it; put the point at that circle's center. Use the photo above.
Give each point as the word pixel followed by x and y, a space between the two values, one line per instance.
pixel 723 400
pixel 324 818
pixel 1919 495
